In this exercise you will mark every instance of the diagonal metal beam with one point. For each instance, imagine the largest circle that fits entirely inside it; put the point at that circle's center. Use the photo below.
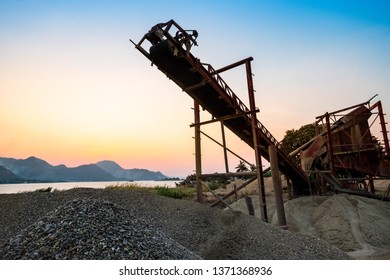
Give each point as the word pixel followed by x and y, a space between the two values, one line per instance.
pixel 225 118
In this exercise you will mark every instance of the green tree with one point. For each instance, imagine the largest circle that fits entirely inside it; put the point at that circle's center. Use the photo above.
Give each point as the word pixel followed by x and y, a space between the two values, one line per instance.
pixel 293 139
pixel 378 146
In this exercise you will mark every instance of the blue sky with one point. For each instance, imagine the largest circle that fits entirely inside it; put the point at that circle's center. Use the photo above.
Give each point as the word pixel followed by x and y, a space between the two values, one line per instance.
pixel 75 91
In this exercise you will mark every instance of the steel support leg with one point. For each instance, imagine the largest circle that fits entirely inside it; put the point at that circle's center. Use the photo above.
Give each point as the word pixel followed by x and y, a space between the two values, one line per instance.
pixel 330 143
pixel 198 156
pixel 224 147
pixel 277 187
pixel 256 143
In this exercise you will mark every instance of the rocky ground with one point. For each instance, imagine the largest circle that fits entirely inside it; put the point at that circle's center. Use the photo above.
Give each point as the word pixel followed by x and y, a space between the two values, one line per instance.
pixel 132 224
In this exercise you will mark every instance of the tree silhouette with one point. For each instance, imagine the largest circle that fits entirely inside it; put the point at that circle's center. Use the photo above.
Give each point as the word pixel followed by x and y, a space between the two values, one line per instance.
pixel 293 138
pixel 241 167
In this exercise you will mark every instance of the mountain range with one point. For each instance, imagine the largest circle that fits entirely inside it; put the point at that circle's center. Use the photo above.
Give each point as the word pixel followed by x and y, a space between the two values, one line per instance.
pixel 33 169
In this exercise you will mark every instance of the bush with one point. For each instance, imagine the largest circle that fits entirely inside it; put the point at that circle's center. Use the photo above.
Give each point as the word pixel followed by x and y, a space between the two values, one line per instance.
pixel 49 189
pixel 125 186
pixel 213 185
pixel 177 193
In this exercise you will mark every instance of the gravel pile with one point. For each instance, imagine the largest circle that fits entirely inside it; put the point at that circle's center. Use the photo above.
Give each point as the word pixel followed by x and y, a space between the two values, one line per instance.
pixel 93 229
pixel 85 227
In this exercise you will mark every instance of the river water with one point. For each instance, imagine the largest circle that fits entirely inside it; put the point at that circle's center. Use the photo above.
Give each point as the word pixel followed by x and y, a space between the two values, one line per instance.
pixel 28 187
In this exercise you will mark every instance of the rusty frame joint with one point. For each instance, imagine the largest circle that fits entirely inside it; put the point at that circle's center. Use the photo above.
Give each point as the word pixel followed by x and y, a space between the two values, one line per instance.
pixel 225 118
pixel 233 65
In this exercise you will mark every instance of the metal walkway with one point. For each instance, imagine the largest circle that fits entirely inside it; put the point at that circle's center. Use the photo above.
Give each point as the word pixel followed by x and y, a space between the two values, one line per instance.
pixel 172 56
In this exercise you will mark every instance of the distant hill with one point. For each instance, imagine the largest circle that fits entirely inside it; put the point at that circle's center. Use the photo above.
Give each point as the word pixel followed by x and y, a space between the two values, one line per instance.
pixel 30 168
pixel 83 173
pixel 7 177
pixel 35 169
pixel 134 174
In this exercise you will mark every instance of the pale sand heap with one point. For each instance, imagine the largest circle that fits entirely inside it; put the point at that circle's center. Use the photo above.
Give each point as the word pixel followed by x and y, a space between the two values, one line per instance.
pixel 357 225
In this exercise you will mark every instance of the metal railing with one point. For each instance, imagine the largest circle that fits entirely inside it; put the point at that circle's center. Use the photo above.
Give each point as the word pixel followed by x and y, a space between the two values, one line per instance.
pixel 239 104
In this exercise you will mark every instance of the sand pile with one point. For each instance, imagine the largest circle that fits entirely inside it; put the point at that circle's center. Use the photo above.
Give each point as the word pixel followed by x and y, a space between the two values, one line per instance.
pixel 357 225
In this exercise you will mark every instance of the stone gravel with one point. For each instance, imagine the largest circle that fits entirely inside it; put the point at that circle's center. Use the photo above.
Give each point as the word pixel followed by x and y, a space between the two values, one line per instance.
pixel 93 229
pixel 135 224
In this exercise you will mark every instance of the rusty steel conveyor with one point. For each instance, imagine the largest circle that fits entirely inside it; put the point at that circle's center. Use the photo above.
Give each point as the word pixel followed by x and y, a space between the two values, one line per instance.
pixel 171 54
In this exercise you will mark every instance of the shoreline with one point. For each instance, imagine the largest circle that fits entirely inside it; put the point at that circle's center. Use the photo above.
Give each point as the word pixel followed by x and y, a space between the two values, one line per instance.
pixel 60 186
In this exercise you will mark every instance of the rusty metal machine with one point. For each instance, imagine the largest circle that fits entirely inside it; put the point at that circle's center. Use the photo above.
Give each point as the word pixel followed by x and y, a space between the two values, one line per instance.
pixel 346 153
pixel 344 144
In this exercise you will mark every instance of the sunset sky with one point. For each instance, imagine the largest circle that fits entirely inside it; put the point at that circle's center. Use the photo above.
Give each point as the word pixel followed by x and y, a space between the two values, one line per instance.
pixel 75 91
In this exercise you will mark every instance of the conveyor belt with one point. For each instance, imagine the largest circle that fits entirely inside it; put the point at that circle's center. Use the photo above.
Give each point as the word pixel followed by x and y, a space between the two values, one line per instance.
pixel 205 86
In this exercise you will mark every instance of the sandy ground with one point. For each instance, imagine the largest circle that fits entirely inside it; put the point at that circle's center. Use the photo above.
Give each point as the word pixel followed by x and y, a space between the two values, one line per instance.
pixel 357 225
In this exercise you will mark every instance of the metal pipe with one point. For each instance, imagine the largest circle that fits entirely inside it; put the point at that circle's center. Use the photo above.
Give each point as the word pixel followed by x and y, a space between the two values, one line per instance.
pixel 277 187
pixel 256 143
pixel 383 127
pixel 224 147
pixel 238 63
pixel 348 108
pixel 330 143
pixel 198 157
pixel 219 199
pixel 230 151
pixel 225 118
pixel 246 183
pixel 249 205
pixel 230 174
